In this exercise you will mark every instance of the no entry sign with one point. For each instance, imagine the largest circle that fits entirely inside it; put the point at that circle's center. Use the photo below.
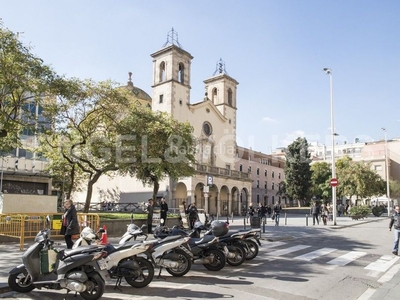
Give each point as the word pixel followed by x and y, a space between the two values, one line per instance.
pixel 334 182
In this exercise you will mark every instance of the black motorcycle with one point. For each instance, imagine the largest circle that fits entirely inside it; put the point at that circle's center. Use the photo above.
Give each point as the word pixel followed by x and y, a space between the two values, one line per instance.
pixel 205 250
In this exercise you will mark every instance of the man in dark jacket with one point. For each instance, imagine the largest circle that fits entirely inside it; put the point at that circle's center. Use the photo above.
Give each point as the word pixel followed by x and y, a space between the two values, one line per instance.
pixel 395 222
pixel 70 224
pixel 314 211
pixel 150 210
pixel 163 210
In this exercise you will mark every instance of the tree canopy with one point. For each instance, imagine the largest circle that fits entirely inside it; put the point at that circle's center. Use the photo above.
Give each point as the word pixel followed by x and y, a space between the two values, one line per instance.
pixel 24 79
pixel 297 170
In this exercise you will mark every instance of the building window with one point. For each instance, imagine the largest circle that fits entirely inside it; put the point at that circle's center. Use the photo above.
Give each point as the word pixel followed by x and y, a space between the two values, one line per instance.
pixel 273 174
pixel 214 95
pixel 207 129
pixel 241 168
pixel 258 183
pixel 181 73
pixel 266 185
pixel 273 199
pixel 265 173
pixel 258 171
pixel 230 97
pixel 258 198
pixel 161 99
pixel 279 175
pixel 180 101
pixel 162 71
pixel 378 168
pixel 249 169
pixel 273 186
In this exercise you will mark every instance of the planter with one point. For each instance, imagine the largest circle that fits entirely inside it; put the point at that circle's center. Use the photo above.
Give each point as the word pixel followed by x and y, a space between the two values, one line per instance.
pixel 357 217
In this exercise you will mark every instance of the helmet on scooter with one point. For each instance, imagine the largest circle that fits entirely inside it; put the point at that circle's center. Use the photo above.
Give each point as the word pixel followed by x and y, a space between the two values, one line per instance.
pixel 88 234
pixel 219 228
pixel 197 224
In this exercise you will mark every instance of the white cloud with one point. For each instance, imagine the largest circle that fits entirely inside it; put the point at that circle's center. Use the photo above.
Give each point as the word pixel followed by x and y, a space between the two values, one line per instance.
pixel 269 120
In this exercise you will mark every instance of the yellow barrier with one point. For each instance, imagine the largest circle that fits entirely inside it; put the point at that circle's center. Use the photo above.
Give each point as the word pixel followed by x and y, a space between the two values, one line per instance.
pixel 22 226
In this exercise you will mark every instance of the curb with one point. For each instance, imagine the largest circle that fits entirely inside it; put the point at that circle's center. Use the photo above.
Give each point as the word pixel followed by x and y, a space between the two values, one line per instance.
pixel 5 289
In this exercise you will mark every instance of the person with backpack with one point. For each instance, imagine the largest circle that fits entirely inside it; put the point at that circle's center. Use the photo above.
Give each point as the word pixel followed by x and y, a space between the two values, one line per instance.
pixel 277 212
pixel 193 215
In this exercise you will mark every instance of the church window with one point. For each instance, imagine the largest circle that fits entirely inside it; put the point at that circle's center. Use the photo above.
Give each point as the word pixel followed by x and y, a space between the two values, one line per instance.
pixel 207 129
pixel 162 71
pixel 161 99
pixel 181 73
pixel 241 168
pixel 229 97
pixel 214 95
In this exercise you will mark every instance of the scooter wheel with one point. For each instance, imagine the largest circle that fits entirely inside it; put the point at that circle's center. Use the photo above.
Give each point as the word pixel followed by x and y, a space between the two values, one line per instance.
pixel 219 260
pixel 97 289
pixel 185 263
pixel 240 256
pixel 146 274
pixel 20 282
pixel 251 249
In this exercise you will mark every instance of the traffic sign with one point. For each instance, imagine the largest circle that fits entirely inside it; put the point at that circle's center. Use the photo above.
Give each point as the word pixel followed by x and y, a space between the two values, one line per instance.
pixel 334 182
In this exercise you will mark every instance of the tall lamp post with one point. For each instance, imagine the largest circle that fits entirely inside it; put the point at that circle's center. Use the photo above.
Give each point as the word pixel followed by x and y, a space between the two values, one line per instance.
pixel 387 171
pixel 329 72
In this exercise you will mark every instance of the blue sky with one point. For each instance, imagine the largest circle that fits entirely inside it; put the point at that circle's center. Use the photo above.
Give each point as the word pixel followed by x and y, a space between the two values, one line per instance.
pixel 275 49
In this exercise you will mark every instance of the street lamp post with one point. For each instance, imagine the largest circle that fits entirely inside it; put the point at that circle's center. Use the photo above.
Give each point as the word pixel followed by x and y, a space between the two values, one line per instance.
pixel 329 72
pixel 387 171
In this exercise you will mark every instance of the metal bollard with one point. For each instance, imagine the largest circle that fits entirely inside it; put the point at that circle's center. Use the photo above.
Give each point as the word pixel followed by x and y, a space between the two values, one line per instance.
pixel 306 220
pixel 264 219
pixel 285 219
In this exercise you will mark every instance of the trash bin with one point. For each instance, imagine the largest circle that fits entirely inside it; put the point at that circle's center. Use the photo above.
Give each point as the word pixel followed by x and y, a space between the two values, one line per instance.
pixel 255 222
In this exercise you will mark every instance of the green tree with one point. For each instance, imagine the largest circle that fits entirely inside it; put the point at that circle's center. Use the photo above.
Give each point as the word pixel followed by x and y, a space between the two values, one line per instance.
pixel 357 179
pixel 85 131
pixel 298 171
pixel 24 80
pixel 394 189
pixel 320 178
pixel 167 148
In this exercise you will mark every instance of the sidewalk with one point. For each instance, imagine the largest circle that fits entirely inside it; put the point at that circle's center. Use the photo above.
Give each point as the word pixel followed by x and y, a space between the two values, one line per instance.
pixel 289 227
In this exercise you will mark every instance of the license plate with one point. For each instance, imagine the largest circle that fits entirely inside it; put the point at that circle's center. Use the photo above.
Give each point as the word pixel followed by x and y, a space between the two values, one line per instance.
pixel 102 264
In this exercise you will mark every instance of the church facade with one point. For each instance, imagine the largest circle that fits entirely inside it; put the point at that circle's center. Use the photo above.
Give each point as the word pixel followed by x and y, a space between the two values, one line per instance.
pixel 219 186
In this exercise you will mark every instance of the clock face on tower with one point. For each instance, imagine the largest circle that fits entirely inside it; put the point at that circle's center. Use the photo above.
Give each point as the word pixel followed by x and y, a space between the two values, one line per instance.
pixel 207 129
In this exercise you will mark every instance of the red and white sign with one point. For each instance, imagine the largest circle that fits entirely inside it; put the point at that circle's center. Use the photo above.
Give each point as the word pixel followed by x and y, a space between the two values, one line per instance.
pixel 334 182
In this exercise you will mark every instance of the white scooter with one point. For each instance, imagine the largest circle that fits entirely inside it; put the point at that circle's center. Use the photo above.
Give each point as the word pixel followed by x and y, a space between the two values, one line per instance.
pixel 122 261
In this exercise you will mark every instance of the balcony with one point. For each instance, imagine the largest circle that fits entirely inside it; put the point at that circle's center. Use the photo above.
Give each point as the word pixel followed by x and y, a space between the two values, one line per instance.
pixel 221 172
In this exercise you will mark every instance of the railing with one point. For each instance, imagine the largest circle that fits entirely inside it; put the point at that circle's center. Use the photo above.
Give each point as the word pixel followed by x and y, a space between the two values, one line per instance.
pixel 221 171
pixel 22 226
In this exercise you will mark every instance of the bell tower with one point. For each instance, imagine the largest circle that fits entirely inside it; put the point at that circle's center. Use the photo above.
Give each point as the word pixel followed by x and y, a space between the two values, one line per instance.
pixel 221 90
pixel 171 78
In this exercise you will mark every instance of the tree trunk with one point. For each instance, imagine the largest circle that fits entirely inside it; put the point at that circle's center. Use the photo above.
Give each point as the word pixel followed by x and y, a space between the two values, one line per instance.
pixel 90 190
pixel 156 187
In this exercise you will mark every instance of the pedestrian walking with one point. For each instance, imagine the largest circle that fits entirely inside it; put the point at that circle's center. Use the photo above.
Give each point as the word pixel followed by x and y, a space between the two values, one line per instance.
pixel 324 213
pixel 70 224
pixel 193 215
pixel 314 211
pixel 150 210
pixel 395 223
pixel 277 212
pixel 163 210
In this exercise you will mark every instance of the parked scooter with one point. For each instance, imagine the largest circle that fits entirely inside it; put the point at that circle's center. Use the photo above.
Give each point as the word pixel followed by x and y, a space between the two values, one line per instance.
pixel 204 250
pixel 122 261
pixel 78 270
pixel 133 232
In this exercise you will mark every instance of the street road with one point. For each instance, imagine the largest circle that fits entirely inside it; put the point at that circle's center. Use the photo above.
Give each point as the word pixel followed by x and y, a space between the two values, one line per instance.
pixel 314 262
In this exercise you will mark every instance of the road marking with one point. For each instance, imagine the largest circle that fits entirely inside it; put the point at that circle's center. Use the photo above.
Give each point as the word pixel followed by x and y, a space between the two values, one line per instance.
pixel 389 274
pixel 315 254
pixel 346 258
pixel 367 294
pixel 382 264
pixel 272 245
pixel 288 250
